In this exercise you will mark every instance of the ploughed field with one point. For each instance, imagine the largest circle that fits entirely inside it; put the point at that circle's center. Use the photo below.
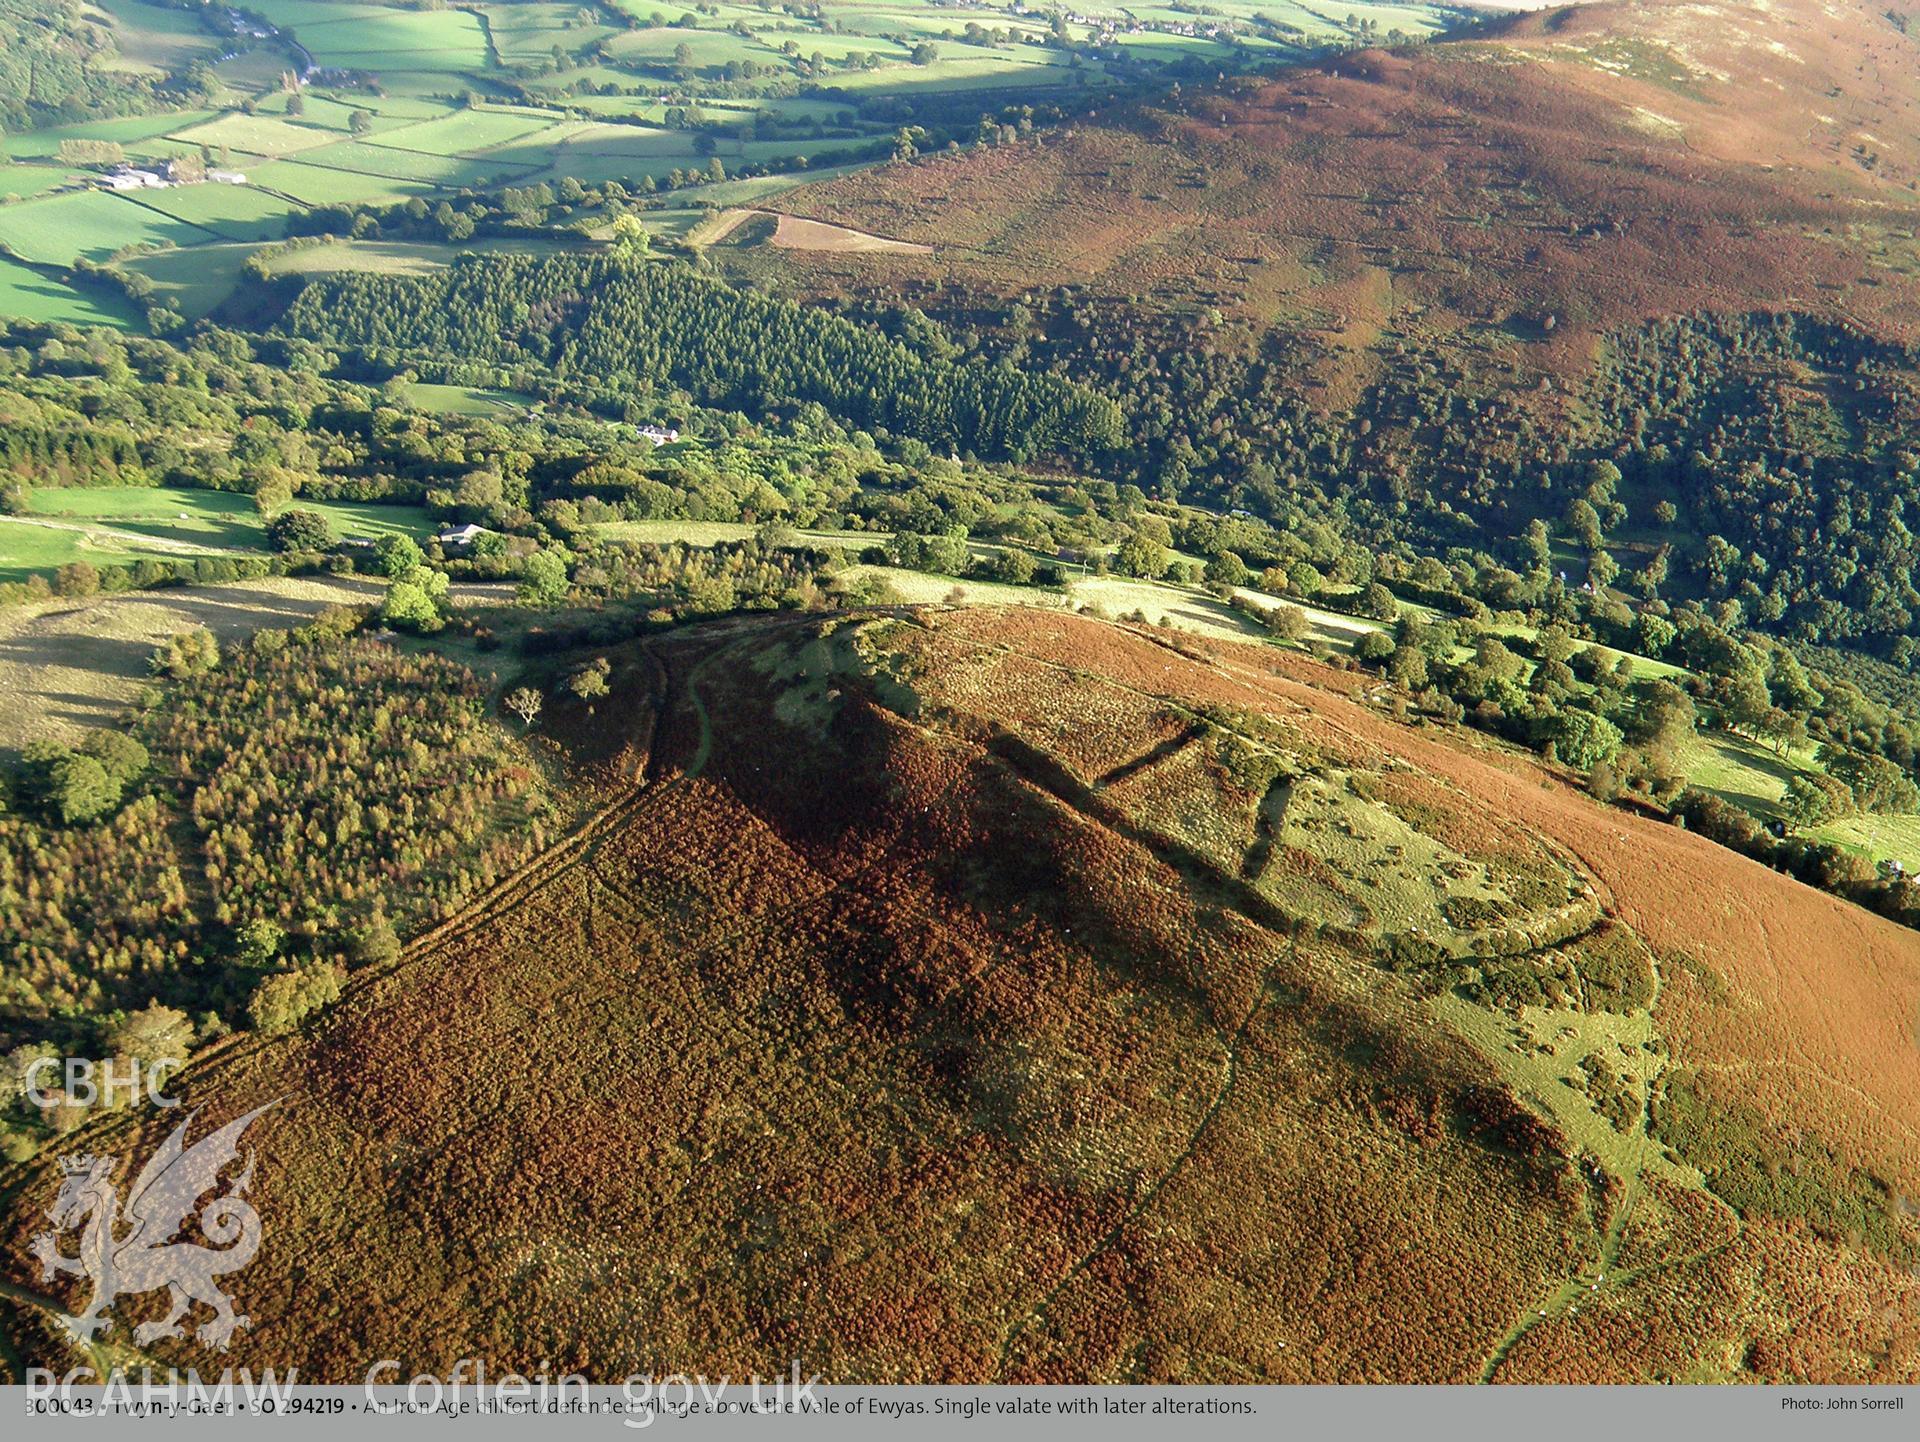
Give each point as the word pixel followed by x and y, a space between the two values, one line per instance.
pixel 979 994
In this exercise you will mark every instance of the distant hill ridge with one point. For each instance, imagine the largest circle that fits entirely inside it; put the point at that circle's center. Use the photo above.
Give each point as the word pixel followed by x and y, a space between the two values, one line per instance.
pixel 1542 179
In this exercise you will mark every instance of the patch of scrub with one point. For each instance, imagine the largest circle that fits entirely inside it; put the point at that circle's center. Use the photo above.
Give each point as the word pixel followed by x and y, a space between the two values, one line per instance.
pixel 1552 1057
pixel 815 674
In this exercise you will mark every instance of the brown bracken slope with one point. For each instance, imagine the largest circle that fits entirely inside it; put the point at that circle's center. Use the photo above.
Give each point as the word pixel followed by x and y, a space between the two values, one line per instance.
pixel 1595 166
pixel 980 994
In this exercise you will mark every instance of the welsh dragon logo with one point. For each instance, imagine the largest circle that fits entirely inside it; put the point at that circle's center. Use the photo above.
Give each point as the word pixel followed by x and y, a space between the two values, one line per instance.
pixel 123 1254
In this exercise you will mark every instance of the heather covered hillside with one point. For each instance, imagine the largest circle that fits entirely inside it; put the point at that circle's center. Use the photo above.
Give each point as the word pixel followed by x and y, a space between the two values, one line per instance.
pixel 963 692
pixel 1079 1002
pixel 1516 190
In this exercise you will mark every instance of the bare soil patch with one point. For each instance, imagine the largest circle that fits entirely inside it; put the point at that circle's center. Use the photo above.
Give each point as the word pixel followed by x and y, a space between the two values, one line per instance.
pixel 794 233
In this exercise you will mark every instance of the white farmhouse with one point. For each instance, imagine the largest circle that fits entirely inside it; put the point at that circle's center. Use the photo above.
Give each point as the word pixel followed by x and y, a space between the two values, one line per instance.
pixel 461 536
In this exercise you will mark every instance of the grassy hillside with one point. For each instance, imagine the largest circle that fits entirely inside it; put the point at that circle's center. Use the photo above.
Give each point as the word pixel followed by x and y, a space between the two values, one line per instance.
pixel 59 59
pixel 1080 1003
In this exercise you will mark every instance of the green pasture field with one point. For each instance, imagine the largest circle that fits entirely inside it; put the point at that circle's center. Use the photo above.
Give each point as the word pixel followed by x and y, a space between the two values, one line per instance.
pixel 427 87
pixel 26 180
pixel 645 109
pixel 163 148
pixel 253 72
pixel 713 533
pixel 324 185
pixel 197 278
pixel 1877 838
pixel 28 549
pixel 29 295
pixel 444 44
pixel 530 31
pixel 836 50
pixel 292 14
pixel 288 14
pixel 1754 778
pixel 648 153
pixel 675 222
pixel 725 13
pixel 267 136
pixel 830 149
pixel 710 48
pixel 327 112
pixel 466 400
pixel 638 141
pixel 1172 606
pixel 627 153
pixel 543 150
pixel 793 107
pixel 378 39
pixel 466 132
pixel 210 517
pixel 927 23
pixel 667 533
pixel 124 523
pixel 57 229
pixel 978 70
pixel 763 188
pixel 335 113
pixel 151 40
pixel 387 163
pixel 380 257
pixel 231 212
pixel 1738 771
pixel 561 80
pixel 775 115
pixel 398 257
pixel 1167 49
pixel 129 131
pixel 919 588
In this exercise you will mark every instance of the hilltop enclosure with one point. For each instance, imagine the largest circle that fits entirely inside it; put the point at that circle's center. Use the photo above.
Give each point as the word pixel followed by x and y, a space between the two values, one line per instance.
pixel 1092 1006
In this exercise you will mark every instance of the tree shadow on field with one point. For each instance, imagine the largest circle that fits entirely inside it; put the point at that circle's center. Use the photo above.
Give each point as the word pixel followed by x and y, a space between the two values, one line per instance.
pixel 1338 637
pixel 1192 613
pixel 212 529
pixel 1738 758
